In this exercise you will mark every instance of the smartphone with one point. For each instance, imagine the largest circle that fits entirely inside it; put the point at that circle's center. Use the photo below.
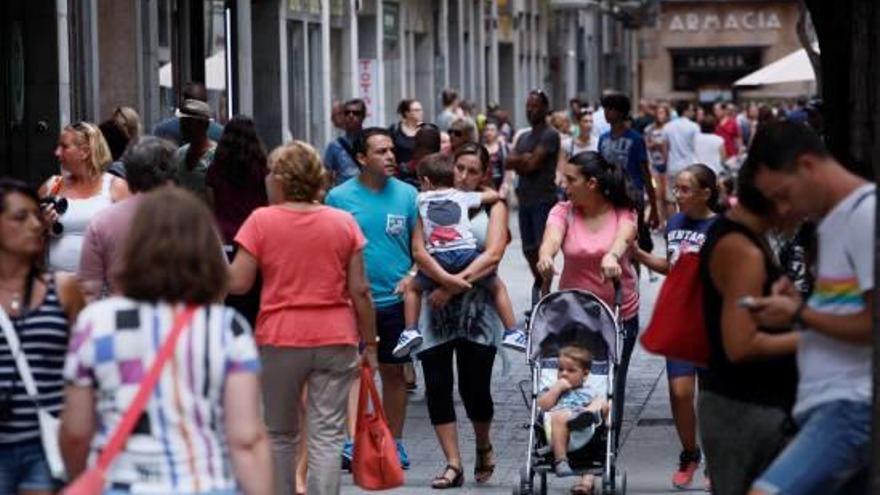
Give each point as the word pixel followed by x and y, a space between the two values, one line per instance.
pixel 747 302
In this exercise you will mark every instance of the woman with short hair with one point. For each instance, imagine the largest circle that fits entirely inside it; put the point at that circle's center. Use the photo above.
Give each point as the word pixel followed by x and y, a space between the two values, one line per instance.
pixel 204 410
pixel 315 306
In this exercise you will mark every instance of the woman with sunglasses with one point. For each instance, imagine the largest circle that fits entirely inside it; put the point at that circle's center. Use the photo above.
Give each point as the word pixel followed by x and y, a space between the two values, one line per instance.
pixel 595 230
pixel 84 188
pixel 40 306
pixel 463 130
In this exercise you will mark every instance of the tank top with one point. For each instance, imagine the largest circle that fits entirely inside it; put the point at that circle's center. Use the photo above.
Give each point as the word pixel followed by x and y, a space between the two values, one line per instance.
pixel 43 334
pixel 770 382
pixel 65 249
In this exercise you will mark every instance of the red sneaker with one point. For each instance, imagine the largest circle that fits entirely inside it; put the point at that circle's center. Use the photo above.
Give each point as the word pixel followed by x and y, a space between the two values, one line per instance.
pixel 688 463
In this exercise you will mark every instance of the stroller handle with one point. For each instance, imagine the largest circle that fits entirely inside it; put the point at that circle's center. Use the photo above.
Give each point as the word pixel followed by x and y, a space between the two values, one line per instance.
pixel 618 293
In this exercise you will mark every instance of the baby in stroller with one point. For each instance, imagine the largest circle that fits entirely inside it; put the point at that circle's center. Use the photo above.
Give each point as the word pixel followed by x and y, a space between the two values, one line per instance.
pixel 570 406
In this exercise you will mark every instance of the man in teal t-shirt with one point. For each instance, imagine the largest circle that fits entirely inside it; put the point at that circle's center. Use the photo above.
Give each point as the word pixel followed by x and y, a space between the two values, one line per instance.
pixel 386 210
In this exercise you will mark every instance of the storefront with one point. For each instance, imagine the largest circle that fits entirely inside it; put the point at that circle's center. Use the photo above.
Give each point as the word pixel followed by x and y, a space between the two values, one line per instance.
pixel 698 50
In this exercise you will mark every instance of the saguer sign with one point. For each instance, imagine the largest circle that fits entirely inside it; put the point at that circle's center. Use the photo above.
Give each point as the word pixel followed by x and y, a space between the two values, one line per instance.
pixel 750 20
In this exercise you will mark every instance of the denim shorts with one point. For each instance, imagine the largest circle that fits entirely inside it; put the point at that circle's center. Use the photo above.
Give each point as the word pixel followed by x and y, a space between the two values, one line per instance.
pixel 678 369
pixel 532 220
pixel 23 467
pixel 832 446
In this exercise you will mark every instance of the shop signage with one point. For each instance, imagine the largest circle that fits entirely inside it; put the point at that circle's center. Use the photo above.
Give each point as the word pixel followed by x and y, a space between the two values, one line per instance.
pixel 751 20
pixel 368 88
pixel 693 68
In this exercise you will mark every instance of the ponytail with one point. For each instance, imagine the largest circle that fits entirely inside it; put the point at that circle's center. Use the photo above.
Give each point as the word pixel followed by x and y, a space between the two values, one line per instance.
pixel 707 179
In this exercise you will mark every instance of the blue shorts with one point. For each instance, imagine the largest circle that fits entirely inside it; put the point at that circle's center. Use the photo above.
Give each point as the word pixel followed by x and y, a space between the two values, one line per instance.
pixel 678 369
pixel 832 446
pixel 532 221
pixel 23 467
pixel 453 262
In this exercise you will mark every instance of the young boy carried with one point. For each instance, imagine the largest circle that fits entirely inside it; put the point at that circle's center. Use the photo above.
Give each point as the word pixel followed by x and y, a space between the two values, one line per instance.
pixel 445 221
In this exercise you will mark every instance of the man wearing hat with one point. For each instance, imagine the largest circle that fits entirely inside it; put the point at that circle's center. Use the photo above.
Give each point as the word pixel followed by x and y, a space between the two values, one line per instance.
pixel 191 161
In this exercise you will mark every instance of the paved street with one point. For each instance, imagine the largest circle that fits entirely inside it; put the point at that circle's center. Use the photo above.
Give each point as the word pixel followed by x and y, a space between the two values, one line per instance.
pixel 650 448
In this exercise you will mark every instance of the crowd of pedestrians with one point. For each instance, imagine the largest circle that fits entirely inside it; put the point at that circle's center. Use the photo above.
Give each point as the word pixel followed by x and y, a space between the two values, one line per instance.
pixel 196 308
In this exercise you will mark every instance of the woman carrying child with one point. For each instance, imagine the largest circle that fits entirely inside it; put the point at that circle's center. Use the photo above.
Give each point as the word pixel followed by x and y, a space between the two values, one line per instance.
pixel 696 192
pixel 467 327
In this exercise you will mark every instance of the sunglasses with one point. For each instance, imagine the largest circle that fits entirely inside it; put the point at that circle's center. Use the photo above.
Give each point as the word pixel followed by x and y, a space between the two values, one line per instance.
pixel 456 133
pixel 356 113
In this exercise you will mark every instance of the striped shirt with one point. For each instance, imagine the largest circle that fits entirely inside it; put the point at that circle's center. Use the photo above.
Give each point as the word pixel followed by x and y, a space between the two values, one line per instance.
pixel 43 335
pixel 178 445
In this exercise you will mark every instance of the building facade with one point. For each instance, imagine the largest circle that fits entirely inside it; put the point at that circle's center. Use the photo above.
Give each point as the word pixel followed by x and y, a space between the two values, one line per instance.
pixel 698 49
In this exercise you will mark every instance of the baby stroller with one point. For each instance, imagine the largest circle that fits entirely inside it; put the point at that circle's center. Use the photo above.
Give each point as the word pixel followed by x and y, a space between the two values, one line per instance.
pixel 558 319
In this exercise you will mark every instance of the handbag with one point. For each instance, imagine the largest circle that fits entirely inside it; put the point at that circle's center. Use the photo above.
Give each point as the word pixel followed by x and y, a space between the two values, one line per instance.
pixel 48 424
pixel 92 481
pixel 677 329
pixel 375 464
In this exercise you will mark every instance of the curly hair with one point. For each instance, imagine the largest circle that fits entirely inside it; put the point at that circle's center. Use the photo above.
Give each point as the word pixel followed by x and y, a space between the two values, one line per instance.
pixel 299 168
pixel 90 135
pixel 240 154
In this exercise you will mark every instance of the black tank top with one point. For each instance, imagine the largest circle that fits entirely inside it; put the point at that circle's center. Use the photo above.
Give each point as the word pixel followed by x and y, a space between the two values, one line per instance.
pixel 771 382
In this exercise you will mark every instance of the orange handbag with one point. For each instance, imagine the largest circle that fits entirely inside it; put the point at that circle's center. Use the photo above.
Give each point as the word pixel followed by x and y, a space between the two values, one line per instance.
pixel 375 464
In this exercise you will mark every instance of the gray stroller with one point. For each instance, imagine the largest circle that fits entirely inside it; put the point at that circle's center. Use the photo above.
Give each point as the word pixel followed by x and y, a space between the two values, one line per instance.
pixel 560 318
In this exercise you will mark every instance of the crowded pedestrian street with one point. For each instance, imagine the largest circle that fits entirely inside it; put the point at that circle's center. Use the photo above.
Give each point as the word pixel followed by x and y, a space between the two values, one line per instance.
pixel 324 247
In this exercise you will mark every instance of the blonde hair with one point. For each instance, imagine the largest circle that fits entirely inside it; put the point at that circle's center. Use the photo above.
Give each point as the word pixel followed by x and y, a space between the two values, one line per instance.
pixel 559 120
pixel 129 120
pixel 298 166
pixel 579 354
pixel 90 135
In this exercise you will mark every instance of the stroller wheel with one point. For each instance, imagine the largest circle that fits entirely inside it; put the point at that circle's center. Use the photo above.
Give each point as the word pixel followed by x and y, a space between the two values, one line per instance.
pixel 543 484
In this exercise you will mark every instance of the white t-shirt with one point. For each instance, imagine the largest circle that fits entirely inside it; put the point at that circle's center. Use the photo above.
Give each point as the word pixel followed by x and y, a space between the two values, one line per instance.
pixel 830 369
pixel 682 136
pixel 708 150
pixel 600 124
pixel 444 214
pixel 571 147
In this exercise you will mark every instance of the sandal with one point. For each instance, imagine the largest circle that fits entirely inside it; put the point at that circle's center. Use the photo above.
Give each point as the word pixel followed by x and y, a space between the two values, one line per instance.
pixel 442 482
pixel 483 469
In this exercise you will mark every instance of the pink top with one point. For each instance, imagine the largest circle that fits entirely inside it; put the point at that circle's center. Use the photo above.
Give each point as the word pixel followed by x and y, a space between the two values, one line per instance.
pixel 583 250
pixel 303 257
pixel 102 247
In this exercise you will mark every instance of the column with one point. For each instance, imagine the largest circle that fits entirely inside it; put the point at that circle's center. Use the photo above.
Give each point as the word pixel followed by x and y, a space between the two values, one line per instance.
pixel 326 103
pixel 380 62
pixel 480 43
pixel 494 62
pixel 244 92
pixel 443 39
pixel 270 70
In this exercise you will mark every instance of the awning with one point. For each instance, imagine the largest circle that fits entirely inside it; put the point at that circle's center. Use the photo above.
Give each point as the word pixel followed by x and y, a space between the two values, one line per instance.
pixel 215 72
pixel 794 67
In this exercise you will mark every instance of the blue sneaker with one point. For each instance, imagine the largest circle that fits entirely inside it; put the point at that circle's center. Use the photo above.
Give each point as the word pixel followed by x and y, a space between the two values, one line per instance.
pixel 401 452
pixel 515 339
pixel 409 339
pixel 347 454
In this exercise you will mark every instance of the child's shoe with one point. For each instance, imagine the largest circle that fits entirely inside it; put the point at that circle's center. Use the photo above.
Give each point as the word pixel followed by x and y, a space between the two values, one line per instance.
pixel 515 338
pixel 409 338
pixel 562 469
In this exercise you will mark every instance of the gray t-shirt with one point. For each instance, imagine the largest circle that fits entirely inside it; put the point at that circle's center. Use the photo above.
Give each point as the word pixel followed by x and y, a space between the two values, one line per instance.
pixel 681 134
pixel 831 369
pixel 539 186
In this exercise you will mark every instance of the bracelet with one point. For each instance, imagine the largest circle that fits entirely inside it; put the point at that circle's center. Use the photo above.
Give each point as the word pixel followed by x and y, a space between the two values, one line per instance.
pixel 797 317
pixel 616 256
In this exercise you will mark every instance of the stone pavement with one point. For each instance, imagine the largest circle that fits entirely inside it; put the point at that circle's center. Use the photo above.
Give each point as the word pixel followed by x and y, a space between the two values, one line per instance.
pixel 649 450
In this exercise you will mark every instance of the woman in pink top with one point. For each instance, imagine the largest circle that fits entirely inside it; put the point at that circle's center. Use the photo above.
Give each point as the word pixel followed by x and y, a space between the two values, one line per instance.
pixel 595 230
pixel 314 308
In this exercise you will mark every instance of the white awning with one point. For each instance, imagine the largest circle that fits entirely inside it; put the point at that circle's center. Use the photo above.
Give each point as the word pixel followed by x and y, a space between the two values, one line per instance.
pixel 215 72
pixel 794 67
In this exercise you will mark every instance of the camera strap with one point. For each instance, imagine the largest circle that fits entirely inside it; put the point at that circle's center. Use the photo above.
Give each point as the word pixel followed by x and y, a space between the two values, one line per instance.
pixel 24 370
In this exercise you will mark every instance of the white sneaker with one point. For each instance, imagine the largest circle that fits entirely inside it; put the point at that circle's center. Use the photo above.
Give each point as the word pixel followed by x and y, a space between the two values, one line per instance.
pixel 409 338
pixel 515 339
